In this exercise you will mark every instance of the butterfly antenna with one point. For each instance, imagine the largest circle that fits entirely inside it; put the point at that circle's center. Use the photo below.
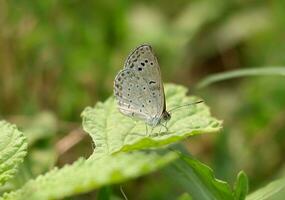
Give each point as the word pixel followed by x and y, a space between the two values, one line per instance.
pixel 189 104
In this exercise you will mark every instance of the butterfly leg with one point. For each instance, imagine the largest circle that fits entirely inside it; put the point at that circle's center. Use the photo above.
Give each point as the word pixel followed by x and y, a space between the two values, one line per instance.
pixel 146 130
pixel 163 125
pixel 166 126
pixel 152 128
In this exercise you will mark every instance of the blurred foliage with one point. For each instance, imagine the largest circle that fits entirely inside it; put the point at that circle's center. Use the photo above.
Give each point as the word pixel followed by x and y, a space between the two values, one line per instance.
pixel 58 57
pixel 273 191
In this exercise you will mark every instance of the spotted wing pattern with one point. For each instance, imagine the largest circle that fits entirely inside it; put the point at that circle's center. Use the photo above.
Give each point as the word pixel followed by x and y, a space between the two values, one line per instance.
pixel 138 87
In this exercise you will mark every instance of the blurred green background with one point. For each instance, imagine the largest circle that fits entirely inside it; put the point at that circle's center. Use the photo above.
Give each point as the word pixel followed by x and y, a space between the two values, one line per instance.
pixel 57 57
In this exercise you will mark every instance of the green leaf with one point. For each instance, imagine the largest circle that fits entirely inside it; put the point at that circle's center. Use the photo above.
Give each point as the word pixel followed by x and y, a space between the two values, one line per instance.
pixel 199 181
pixel 113 132
pixel 262 71
pixel 86 175
pixel 241 186
pixel 273 191
pixel 13 148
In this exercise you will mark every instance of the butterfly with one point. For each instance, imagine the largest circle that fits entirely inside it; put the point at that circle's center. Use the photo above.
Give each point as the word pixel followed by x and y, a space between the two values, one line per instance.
pixel 138 88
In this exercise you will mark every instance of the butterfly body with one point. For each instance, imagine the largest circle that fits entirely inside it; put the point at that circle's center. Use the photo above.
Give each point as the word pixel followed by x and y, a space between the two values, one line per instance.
pixel 139 90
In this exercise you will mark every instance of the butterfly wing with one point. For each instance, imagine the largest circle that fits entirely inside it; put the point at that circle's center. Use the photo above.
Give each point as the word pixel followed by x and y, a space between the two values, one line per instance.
pixel 143 62
pixel 133 95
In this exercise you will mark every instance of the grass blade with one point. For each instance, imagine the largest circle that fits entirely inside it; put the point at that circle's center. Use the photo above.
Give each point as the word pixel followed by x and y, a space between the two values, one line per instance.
pixel 265 71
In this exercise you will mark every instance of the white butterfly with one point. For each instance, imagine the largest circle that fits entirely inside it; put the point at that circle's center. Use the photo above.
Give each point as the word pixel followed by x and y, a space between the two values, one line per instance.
pixel 139 90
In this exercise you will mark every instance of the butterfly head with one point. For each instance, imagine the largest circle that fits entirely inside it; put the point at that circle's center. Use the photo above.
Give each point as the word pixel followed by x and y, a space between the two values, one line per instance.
pixel 165 116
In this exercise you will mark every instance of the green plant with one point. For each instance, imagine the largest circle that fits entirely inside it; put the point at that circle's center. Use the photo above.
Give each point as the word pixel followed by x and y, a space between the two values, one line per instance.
pixel 123 152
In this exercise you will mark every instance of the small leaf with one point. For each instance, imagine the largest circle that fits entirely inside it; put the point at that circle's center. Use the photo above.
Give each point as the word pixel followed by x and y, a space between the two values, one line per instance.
pixel 199 181
pixel 273 191
pixel 13 148
pixel 241 186
pixel 86 175
pixel 113 132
